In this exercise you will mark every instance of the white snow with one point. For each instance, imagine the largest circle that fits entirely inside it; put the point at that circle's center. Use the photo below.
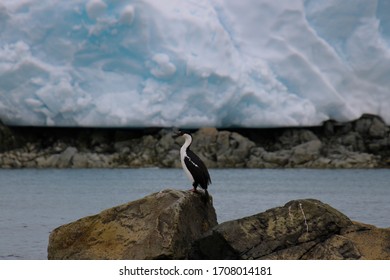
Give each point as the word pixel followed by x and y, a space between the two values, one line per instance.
pixel 187 63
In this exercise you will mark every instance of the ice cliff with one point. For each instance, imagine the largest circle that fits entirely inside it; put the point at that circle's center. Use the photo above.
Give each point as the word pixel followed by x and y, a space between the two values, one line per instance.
pixel 251 63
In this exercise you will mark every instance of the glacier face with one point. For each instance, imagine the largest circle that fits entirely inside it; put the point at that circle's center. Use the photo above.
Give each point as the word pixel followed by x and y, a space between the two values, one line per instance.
pixel 193 63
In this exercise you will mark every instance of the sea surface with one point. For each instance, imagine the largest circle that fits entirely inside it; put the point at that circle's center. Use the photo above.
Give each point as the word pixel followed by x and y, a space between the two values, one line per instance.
pixel 34 201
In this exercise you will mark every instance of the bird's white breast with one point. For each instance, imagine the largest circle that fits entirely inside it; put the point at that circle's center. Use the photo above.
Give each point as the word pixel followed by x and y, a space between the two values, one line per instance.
pixel 183 155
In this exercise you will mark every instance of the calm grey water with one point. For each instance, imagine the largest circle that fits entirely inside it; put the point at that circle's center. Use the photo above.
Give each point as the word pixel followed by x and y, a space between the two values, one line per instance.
pixel 33 202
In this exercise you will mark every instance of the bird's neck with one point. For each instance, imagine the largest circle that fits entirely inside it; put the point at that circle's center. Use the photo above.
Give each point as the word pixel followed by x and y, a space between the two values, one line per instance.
pixel 187 143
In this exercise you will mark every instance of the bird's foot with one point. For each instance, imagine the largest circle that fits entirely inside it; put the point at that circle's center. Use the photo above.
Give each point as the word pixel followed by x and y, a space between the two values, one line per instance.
pixel 193 190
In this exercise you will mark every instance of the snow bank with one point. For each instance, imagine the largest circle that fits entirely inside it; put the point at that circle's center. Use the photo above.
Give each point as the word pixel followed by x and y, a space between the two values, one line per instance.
pixel 252 63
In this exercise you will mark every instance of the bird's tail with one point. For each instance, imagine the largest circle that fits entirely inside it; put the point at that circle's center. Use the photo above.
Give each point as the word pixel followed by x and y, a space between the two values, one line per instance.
pixel 206 197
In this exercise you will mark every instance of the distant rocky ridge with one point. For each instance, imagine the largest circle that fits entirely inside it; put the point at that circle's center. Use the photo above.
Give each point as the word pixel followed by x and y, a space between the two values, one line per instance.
pixel 364 143
pixel 174 224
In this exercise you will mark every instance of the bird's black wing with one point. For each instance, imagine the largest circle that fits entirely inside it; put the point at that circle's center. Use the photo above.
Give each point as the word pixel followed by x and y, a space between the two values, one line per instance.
pixel 198 169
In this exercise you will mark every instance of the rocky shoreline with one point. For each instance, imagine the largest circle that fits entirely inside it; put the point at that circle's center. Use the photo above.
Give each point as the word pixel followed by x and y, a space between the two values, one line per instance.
pixel 363 143
pixel 173 224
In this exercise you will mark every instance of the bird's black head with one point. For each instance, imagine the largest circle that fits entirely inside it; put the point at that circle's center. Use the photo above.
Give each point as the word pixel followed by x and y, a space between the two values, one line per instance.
pixel 180 132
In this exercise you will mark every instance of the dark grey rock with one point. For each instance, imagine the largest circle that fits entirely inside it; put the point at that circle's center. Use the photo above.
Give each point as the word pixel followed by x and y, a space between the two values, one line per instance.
pixel 378 129
pixel 363 143
pixel 296 227
pixel 65 158
pixel 362 125
pixel 302 229
pixel 305 152
pixel 293 137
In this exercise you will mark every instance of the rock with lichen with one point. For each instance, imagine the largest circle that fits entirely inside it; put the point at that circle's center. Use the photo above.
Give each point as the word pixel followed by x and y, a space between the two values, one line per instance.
pixel 301 229
pixel 162 225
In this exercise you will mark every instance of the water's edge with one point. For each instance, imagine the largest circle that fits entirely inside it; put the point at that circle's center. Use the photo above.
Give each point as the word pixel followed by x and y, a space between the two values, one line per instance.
pixel 35 201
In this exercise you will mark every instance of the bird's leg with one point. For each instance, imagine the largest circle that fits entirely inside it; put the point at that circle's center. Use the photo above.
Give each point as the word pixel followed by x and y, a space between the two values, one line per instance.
pixel 194 186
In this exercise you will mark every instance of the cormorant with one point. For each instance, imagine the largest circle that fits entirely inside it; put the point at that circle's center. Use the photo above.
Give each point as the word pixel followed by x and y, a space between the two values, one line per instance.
pixel 192 165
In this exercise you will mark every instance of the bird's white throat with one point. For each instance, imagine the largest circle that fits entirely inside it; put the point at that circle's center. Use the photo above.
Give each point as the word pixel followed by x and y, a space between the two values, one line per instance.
pixel 183 154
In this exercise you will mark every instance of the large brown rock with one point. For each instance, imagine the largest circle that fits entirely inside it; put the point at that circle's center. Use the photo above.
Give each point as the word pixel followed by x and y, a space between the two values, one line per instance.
pixel 301 229
pixel 175 224
pixel 373 243
pixel 159 226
